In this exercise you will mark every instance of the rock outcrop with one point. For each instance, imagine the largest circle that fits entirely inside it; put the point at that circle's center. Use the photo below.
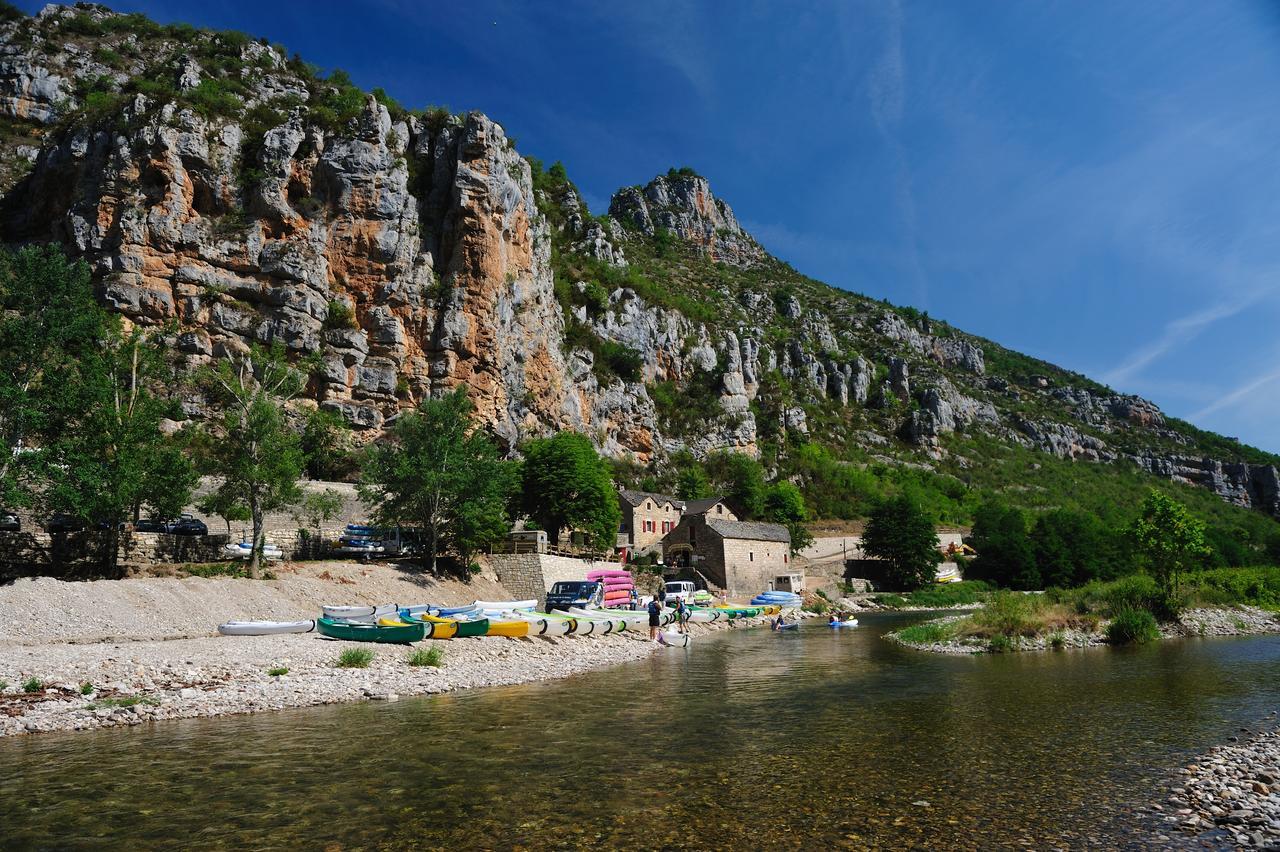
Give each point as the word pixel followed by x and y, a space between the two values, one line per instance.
pixel 682 204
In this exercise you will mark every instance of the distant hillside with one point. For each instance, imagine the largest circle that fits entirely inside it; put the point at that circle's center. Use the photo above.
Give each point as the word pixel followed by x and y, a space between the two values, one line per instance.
pixel 219 186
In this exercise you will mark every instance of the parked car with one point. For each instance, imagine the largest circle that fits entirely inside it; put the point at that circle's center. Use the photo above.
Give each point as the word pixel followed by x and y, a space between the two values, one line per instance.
pixel 61 522
pixel 681 590
pixel 188 525
pixel 151 525
pixel 10 522
pixel 567 593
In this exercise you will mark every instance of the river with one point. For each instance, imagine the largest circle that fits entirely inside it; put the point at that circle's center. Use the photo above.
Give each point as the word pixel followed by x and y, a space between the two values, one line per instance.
pixel 814 738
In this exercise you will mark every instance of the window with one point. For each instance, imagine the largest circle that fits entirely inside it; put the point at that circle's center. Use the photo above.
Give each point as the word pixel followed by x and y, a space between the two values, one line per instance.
pixel 648 526
pixel 751 556
pixel 719 509
pixel 784 559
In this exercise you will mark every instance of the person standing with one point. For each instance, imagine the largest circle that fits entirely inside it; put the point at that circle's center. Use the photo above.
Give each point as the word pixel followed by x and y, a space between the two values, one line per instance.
pixel 682 613
pixel 655 619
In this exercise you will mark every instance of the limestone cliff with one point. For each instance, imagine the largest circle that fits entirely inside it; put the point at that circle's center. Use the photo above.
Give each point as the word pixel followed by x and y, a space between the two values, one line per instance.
pixel 229 195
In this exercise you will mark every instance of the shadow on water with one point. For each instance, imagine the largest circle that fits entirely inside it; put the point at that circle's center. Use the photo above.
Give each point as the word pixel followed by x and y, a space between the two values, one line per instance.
pixel 818 737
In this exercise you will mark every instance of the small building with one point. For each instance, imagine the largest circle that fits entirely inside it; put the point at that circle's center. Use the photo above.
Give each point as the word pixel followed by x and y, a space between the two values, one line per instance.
pixel 742 557
pixel 646 518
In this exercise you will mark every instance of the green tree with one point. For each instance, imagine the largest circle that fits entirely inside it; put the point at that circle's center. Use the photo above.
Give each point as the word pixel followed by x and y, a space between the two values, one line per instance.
pixel 1073 547
pixel 224 505
pixel 740 480
pixel 440 474
pixel 316 508
pixel 48 319
pixel 903 536
pixel 1005 555
pixel 566 485
pixel 692 483
pixel 784 504
pixel 257 456
pixel 326 445
pixel 111 457
pixel 1170 540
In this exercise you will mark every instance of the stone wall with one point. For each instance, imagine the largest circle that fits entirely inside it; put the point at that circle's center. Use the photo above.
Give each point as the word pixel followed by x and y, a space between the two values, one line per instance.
pixel 80 554
pixel 531 575
pixel 751 566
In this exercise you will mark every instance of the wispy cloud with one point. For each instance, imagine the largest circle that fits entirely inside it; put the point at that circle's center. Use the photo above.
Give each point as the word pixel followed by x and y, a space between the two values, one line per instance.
pixel 1177 333
pixel 1240 393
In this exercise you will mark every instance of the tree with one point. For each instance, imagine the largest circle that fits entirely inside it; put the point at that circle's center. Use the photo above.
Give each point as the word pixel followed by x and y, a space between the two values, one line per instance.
pixel 692 483
pixel 1072 547
pixel 258 456
pixel 566 485
pixel 903 536
pixel 1005 555
pixel 740 479
pixel 316 508
pixel 225 505
pixel 1169 540
pixel 48 319
pixel 111 456
pixel 438 473
pixel 784 504
pixel 326 445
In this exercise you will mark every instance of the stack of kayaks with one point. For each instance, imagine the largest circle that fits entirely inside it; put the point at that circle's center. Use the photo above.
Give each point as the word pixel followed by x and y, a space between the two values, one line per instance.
pixel 777 598
pixel 619 585
pixel 702 597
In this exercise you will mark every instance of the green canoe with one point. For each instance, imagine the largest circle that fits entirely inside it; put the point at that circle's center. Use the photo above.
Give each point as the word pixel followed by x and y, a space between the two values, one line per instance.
pixel 359 632
pixel 479 627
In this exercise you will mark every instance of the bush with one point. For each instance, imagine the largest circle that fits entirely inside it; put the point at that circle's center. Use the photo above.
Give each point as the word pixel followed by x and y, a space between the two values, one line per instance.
pixel 278 671
pixel 1000 644
pixel 86 688
pixel 1132 627
pixel 32 684
pixel 339 315
pixel 433 656
pixel 942 595
pixel 928 633
pixel 214 97
pixel 817 605
pixel 354 658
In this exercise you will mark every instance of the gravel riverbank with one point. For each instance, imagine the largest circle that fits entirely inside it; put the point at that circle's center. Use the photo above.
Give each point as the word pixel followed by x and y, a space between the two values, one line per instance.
pixel 147 648
pixel 1230 795
pixel 1238 621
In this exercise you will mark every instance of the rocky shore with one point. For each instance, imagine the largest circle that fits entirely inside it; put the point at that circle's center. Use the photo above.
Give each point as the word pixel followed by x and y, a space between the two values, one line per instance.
pixel 1237 621
pixel 128 652
pixel 1231 795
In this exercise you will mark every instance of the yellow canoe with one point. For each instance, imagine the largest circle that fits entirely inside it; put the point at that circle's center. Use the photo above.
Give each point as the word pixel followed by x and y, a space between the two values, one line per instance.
pixel 437 628
pixel 507 628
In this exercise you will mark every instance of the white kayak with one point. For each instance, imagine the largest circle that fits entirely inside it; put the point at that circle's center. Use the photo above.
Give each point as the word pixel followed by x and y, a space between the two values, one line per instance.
pixel 243 549
pixel 542 626
pixel 506 606
pixel 675 640
pixel 616 625
pixel 265 628
pixel 359 611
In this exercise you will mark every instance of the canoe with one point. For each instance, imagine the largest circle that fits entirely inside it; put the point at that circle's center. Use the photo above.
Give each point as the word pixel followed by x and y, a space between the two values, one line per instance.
pixel 439 629
pixel 244 549
pixel 461 627
pixel 582 626
pixel 505 606
pixel 853 622
pixel 542 625
pixel 265 628
pixel 617 624
pixel 675 640
pixel 403 634
pixel 630 617
pixel 789 627
pixel 512 627
pixel 445 611
pixel 359 611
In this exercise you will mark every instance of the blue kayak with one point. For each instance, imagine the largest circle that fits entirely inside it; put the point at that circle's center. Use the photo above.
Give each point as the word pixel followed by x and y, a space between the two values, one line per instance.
pixel 850 623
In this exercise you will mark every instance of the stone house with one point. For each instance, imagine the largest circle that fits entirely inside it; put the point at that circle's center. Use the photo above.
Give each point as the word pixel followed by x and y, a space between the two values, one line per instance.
pixel 741 557
pixel 647 517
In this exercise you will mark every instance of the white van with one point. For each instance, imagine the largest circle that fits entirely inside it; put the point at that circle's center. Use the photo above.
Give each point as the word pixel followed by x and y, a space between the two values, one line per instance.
pixel 680 590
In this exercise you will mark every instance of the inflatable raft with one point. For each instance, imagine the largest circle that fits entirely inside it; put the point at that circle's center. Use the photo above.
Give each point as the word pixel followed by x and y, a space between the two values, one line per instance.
pixel 265 628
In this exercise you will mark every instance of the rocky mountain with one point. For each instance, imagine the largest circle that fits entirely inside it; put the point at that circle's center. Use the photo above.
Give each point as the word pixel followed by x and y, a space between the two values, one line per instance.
pixel 228 194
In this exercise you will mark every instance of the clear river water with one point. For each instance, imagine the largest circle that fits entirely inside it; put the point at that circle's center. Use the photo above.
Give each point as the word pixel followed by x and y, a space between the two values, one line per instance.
pixel 749 739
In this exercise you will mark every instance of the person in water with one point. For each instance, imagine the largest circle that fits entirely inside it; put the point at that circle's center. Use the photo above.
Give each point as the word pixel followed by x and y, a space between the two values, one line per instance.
pixel 777 623
pixel 682 613
pixel 655 619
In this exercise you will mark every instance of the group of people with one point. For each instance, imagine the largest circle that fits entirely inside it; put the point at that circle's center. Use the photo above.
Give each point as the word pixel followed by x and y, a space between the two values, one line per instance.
pixel 655 615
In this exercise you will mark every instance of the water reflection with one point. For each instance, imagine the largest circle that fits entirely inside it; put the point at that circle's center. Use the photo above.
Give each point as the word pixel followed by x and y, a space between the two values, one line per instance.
pixel 817 737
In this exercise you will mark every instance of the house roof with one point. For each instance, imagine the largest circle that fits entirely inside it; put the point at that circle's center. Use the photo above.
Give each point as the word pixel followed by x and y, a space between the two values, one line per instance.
pixel 698 507
pixel 754 530
pixel 635 498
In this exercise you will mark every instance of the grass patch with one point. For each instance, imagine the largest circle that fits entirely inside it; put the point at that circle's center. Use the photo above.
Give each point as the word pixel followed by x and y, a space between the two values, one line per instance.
pixel 817 605
pixel 928 633
pixel 354 658
pixel 86 688
pixel 433 656
pixel 33 684
pixel 1000 644
pixel 1011 614
pixel 278 671
pixel 237 570
pixel 1132 627
pixel 4 684
pixel 890 600
pixel 939 596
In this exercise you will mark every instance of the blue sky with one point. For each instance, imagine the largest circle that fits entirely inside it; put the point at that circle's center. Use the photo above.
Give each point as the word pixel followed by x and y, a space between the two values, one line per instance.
pixel 1093 183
